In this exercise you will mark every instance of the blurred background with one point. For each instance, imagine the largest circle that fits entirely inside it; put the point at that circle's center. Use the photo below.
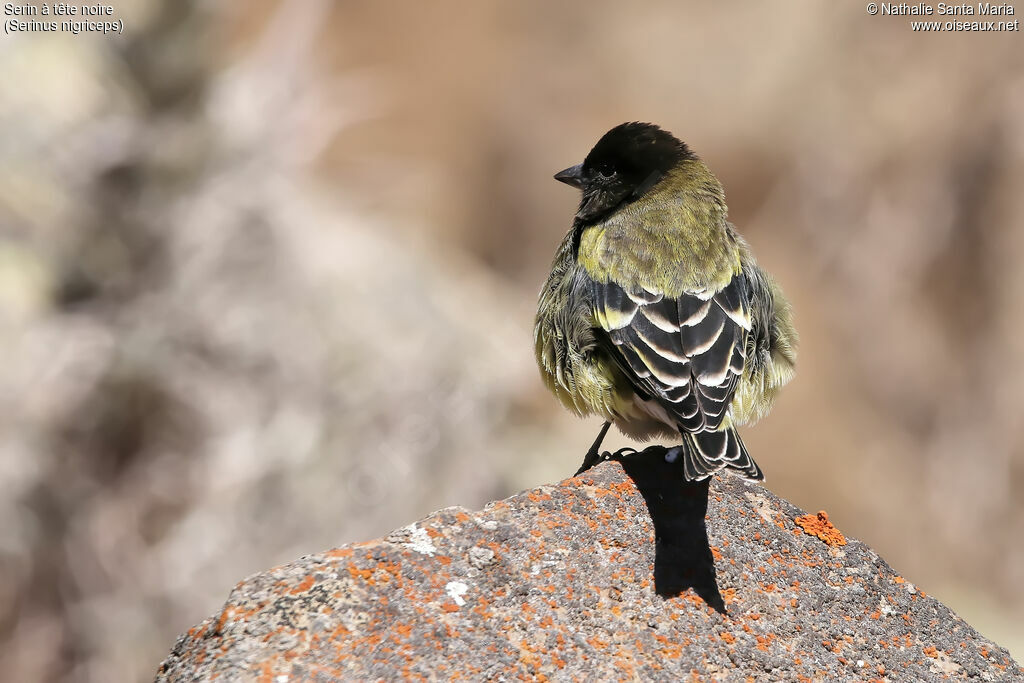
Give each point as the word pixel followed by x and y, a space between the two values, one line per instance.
pixel 268 273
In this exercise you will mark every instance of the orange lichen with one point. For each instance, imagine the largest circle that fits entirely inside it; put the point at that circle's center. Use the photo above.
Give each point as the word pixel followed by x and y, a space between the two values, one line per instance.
pixel 303 586
pixel 764 641
pixel 225 615
pixel 818 525
pixel 357 573
pixel 931 652
pixel 626 667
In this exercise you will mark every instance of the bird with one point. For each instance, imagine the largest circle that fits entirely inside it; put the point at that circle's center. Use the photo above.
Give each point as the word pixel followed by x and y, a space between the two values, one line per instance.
pixel 655 316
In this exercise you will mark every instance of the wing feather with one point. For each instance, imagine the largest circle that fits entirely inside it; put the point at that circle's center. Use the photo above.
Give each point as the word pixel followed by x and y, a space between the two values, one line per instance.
pixel 734 300
pixel 613 308
pixel 686 352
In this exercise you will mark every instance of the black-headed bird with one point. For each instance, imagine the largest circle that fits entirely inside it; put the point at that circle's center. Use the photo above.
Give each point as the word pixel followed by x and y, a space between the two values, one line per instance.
pixel 655 316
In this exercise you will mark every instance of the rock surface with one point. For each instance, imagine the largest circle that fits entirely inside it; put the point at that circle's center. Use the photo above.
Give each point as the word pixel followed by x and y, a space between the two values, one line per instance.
pixel 609 575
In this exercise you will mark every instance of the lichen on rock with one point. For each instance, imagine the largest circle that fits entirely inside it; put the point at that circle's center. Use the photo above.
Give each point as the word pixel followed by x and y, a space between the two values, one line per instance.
pixel 623 572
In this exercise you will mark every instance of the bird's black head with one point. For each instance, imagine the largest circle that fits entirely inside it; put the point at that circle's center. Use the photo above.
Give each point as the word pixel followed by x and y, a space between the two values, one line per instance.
pixel 625 163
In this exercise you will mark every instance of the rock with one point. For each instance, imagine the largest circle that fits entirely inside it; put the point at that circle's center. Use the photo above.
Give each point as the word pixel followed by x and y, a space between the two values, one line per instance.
pixel 608 575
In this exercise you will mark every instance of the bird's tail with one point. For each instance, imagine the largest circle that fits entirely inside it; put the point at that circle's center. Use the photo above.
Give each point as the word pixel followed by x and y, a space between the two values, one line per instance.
pixel 704 453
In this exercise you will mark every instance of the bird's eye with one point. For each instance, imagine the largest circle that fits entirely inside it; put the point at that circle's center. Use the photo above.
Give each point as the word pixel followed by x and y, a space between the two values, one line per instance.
pixel 606 171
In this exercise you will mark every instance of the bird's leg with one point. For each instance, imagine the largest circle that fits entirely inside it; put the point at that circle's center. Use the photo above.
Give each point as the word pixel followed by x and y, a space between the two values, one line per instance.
pixel 593 456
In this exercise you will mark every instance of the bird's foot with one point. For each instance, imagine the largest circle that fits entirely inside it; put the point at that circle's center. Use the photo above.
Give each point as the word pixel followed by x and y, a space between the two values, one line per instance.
pixel 590 459
pixel 593 458
pixel 621 453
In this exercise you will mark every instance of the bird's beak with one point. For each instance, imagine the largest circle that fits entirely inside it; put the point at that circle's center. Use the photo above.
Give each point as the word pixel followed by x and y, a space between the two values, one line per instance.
pixel 571 176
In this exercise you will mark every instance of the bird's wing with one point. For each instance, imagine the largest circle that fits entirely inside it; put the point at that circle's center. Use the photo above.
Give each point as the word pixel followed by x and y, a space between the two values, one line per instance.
pixel 687 352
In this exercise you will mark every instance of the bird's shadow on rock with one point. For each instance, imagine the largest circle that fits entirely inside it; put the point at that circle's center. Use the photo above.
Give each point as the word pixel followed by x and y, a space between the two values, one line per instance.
pixel 682 554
